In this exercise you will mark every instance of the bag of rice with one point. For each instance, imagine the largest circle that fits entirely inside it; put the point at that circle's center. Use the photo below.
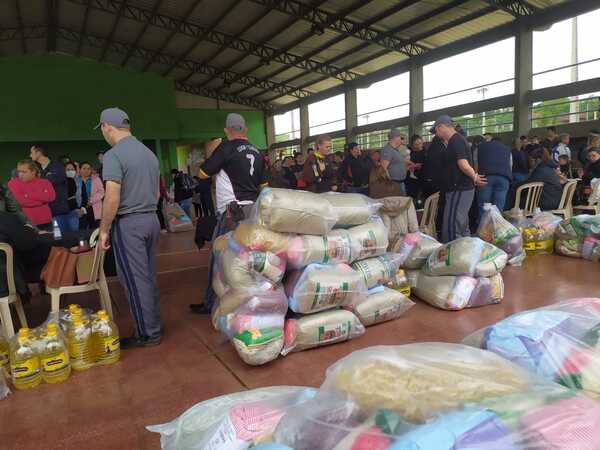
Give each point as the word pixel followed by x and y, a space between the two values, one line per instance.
pixel 379 270
pixel 290 211
pixel 320 287
pixel 333 248
pixel 466 256
pixel 414 249
pixel 381 305
pixel 258 347
pixel 246 302
pixel 258 238
pixel 324 328
pixel 368 240
pixel 352 209
pixel 496 230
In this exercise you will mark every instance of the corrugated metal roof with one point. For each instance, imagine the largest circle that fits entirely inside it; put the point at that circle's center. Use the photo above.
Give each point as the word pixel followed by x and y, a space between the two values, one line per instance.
pixel 264 50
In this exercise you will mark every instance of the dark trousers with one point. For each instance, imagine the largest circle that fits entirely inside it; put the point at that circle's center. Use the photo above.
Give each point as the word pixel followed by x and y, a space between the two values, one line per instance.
pixel 456 215
pixel 159 213
pixel 134 238
pixel 208 208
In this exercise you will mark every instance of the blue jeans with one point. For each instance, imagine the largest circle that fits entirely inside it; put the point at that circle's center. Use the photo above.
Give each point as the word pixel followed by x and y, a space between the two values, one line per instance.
pixel 68 222
pixel 520 177
pixel 493 192
pixel 357 190
pixel 186 205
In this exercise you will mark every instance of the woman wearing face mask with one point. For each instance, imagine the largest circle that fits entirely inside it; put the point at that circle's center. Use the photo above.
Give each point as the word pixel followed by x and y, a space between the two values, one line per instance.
pixel 92 193
pixel 73 196
pixel 33 194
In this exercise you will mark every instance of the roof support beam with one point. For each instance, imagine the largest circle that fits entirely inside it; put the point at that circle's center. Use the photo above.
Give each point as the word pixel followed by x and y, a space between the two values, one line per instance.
pixel 321 19
pixel 155 9
pixel 516 8
pixel 187 28
pixel 52 20
pixel 111 35
pixel 84 23
pixel 20 24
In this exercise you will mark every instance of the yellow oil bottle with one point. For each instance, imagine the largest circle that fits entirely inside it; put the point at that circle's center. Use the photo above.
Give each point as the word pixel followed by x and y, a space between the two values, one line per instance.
pixel 400 283
pixel 24 362
pixel 54 357
pixel 79 338
pixel 105 339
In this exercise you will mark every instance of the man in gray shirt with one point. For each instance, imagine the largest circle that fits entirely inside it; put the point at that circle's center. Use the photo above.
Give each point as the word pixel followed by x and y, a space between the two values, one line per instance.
pixel 395 158
pixel 131 173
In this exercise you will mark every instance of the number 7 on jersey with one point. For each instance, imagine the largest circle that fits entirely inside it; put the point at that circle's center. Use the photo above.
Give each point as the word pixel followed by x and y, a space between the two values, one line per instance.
pixel 251 158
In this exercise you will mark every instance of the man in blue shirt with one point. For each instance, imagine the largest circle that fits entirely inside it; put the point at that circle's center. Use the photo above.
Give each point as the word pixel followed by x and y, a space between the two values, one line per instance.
pixel 494 162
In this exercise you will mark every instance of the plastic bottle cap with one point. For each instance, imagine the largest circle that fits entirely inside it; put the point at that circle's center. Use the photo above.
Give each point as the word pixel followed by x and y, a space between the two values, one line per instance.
pixel 51 329
pixel 102 314
pixel 74 307
pixel 23 335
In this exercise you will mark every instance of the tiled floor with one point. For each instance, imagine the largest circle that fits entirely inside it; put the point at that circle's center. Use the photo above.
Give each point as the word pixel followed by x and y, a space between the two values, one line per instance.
pixel 108 407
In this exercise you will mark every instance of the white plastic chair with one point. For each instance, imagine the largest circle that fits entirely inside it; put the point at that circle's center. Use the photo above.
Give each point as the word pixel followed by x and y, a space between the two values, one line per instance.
pixel 430 210
pixel 13 296
pixel 97 281
pixel 565 207
pixel 533 194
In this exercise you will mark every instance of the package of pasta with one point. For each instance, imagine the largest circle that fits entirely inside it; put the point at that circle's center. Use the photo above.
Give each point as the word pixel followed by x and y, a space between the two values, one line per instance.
pixel 381 305
pixel 290 211
pixel 323 328
pixel 332 248
pixel 233 421
pixel 319 287
pixel 258 238
pixel 496 230
pixel 559 342
pixel 379 270
pixel 456 292
pixel 414 249
pixel 352 209
pixel 437 396
pixel 466 256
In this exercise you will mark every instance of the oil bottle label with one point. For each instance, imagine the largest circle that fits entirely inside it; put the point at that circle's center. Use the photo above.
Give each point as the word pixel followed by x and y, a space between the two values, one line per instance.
pixel 110 344
pixel 26 369
pixel 55 362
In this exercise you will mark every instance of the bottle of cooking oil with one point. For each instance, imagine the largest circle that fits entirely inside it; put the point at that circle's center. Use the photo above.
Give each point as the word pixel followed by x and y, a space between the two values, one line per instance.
pixel 105 339
pixel 79 337
pixel 54 356
pixel 24 362
pixel 400 283
pixel 4 359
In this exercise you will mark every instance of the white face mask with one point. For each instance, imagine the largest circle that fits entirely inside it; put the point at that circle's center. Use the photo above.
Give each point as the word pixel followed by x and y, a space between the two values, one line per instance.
pixel 71 173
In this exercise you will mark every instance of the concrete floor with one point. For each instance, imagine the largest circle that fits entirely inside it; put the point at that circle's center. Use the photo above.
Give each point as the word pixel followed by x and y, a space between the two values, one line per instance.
pixel 108 407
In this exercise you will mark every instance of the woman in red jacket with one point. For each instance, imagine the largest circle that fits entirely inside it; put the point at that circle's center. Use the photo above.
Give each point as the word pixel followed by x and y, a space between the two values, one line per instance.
pixel 33 194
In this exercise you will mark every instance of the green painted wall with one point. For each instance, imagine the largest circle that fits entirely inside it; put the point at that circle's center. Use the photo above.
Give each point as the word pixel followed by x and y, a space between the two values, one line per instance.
pixel 57 99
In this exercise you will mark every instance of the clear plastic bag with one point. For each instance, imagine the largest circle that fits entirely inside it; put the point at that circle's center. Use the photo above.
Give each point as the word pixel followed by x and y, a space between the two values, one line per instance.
pixel 352 209
pixel 367 240
pixel 456 292
pixel 557 342
pixel 259 346
pixel 381 305
pixel 437 396
pixel 290 211
pixel 579 237
pixel 233 421
pixel 466 256
pixel 594 197
pixel 319 287
pixel 379 270
pixel 323 328
pixel 496 230
pixel 414 249
pixel 538 233
pixel 258 238
pixel 332 248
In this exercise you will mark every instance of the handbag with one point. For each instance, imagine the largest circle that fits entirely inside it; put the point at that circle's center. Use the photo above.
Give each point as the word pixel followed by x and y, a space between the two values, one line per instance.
pixel 60 269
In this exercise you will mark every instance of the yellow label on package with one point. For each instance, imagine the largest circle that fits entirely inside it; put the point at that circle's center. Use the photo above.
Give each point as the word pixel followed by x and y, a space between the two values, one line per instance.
pixel 55 362
pixel 110 344
pixel 26 369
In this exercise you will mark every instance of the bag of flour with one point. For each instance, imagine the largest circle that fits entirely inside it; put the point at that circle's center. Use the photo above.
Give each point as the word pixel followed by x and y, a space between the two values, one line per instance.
pixel 320 287
pixel 379 270
pixel 352 209
pixel 289 211
pixel 324 328
pixel 381 305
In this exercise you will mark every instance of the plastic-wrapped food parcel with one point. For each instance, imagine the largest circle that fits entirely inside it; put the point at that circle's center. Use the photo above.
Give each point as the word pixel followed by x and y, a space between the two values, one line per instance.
pixel 579 237
pixel 495 229
pixel 558 342
pixel 426 396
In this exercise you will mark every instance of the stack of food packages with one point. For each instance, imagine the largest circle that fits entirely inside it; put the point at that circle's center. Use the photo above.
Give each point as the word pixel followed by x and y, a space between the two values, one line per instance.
pixel 287 254
pixel 495 229
pixel 426 396
pixel 75 340
pixel 464 273
pixel 579 237
pixel 560 342
pixel 538 231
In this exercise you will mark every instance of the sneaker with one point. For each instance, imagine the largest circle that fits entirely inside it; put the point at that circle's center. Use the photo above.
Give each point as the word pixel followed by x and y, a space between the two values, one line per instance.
pixel 163 231
pixel 200 308
pixel 134 341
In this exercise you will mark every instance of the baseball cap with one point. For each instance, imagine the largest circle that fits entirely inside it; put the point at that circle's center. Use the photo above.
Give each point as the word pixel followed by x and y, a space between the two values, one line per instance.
pixel 115 117
pixel 235 122
pixel 395 132
pixel 442 120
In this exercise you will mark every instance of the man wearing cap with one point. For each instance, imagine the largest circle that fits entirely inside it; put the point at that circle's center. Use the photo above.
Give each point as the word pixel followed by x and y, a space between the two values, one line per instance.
pixel 395 158
pixel 460 180
pixel 240 173
pixel 131 173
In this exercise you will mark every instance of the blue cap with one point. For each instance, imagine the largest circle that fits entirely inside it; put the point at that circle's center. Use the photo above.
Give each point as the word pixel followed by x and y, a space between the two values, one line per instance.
pixel 115 117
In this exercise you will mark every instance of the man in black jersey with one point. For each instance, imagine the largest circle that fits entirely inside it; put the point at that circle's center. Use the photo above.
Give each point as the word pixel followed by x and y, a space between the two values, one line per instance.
pixel 240 173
